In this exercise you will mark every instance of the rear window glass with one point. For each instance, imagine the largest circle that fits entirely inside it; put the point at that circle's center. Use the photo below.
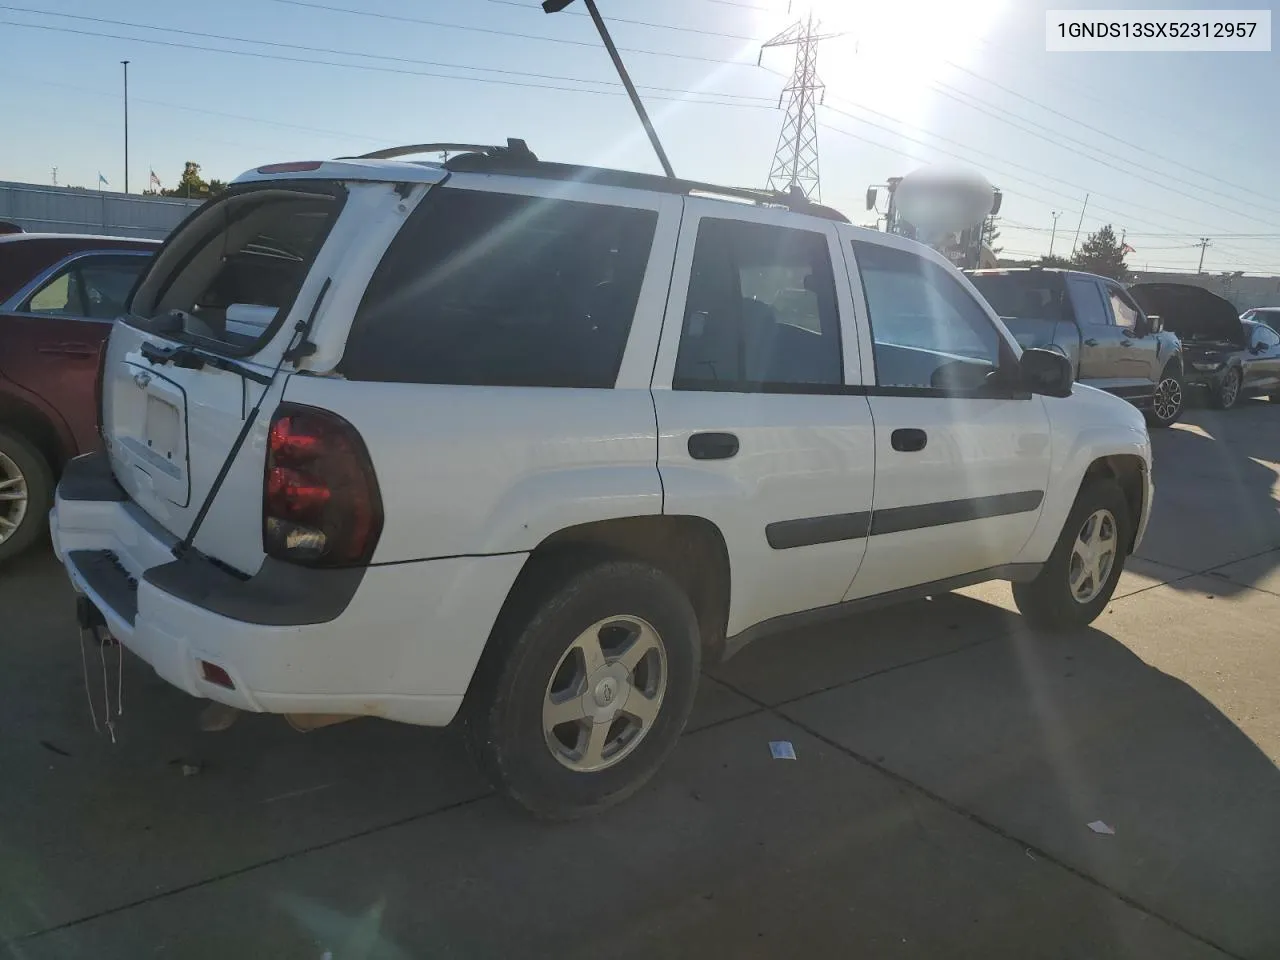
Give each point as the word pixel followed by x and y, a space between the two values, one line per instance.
pixel 238 273
pixel 1020 295
pixel 501 290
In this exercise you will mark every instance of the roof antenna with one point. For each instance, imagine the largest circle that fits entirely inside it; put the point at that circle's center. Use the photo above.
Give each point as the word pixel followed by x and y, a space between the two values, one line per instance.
pixel 555 6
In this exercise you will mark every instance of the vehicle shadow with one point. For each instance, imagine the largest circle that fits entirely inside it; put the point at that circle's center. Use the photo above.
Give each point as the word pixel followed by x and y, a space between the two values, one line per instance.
pixel 380 834
pixel 1217 499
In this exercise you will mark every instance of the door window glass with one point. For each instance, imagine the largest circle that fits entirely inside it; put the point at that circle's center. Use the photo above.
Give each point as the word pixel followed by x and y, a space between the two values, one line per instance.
pixel 59 297
pixel 1126 313
pixel 105 283
pixel 1087 300
pixel 928 331
pixel 1266 336
pixel 500 290
pixel 761 311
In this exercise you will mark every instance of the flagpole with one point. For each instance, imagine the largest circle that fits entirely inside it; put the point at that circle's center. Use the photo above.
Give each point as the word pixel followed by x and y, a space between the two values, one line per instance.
pixel 125 63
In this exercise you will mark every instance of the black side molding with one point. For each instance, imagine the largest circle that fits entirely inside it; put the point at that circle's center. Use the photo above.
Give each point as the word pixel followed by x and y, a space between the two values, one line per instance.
pixel 89 477
pixel 808 531
pixel 1015 572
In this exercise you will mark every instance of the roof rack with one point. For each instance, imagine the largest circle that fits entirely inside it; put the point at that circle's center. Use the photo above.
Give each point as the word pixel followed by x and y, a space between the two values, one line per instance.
pixel 516 158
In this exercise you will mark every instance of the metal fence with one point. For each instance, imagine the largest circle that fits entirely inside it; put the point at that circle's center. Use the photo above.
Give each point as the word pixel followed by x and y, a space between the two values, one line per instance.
pixel 40 209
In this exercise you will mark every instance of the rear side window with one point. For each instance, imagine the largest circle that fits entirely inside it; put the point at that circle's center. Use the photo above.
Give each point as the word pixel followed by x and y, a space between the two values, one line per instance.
pixel 494 289
pixel 95 287
pixel 761 311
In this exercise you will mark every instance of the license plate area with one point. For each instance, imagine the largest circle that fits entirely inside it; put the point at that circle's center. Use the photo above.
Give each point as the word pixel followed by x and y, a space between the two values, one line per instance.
pixel 151 426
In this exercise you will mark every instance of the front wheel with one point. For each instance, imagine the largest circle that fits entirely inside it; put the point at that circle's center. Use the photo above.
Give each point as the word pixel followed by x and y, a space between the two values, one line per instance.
pixel 1228 392
pixel 1166 404
pixel 1081 574
pixel 586 688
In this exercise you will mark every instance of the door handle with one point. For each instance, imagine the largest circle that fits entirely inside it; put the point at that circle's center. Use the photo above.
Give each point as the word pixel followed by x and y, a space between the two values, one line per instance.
pixel 1091 342
pixel 908 440
pixel 713 446
pixel 1126 343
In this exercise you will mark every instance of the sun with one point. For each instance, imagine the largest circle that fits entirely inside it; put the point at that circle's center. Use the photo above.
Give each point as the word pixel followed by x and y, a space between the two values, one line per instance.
pixel 891 54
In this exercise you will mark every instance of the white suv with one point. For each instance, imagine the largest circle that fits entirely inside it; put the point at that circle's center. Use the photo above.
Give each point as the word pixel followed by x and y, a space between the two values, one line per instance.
pixel 527 444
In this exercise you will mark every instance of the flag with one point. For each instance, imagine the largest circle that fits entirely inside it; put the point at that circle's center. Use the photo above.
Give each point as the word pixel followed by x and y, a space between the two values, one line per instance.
pixel 1125 248
pixel 102 180
pixel 155 181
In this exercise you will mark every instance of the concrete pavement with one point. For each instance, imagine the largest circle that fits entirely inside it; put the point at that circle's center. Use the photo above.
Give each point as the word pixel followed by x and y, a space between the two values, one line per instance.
pixel 948 763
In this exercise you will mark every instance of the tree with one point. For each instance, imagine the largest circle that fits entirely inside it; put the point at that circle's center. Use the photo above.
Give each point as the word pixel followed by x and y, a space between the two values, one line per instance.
pixel 1053 261
pixel 1101 253
pixel 193 186
pixel 990 234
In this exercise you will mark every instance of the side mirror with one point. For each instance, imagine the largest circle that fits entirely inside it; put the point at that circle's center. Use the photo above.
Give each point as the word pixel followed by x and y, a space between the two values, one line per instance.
pixel 1258 347
pixel 1046 372
pixel 1155 323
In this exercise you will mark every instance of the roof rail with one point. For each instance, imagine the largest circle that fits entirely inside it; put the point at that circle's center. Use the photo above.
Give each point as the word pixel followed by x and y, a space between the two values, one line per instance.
pixel 517 158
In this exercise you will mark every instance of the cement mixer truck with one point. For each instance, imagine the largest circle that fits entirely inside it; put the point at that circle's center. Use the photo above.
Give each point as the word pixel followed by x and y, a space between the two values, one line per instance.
pixel 944 208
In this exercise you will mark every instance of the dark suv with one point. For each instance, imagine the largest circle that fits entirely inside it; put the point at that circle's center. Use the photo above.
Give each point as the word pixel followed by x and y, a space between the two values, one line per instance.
pixel 1110 341
pixel 58 297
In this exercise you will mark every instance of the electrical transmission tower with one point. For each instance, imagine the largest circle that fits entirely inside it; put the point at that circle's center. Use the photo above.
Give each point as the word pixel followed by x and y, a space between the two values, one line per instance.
pixel 795 162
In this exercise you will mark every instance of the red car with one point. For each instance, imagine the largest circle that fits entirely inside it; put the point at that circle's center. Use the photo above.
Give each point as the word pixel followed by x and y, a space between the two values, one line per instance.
pixel 58 297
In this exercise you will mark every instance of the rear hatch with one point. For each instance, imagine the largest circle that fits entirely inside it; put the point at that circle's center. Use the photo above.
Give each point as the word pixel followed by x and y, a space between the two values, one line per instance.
pixel 207 328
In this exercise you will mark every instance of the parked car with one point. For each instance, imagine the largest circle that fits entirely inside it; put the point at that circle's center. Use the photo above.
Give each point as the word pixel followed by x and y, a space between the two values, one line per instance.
pixel 58 296
pixel 1268 315
pixel 526 443
pixel 1227 358
pixel 1110 341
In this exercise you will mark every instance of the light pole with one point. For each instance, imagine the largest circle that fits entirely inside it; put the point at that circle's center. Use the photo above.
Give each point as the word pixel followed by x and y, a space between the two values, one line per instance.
pixel 1054 233
pixel 555 6
pixel 125 64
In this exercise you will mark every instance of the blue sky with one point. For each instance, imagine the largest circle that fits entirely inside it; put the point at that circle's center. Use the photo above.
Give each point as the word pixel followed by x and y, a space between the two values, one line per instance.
pixel 908 82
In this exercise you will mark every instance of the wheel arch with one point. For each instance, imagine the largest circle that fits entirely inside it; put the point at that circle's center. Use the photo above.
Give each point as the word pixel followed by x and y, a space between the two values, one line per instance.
pixel 41 428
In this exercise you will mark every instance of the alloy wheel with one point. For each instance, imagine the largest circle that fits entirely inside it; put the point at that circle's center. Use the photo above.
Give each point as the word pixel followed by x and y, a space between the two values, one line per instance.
pixel 13 497
pixel 1092 556
pixel 1230 389
pixel 605 694
pixel 1167 403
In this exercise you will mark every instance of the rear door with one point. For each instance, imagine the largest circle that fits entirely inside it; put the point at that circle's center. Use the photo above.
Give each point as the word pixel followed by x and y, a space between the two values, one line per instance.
pixel 181 376
pixel 1100 361
pixel 761 428
pixel 53 335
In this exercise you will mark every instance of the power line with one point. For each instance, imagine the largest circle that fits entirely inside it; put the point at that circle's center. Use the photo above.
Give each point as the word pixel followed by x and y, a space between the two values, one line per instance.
pixel 1144 151
pixel 356 53
pixel 380 69
pixel 501 33
pixel 533 8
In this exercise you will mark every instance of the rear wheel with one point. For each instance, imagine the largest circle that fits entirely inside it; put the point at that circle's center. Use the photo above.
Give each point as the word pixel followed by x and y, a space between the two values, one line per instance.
pixel 26 494
pixel 1166 404
pixel 1228 392
pixel 587 685
pixel 1081 575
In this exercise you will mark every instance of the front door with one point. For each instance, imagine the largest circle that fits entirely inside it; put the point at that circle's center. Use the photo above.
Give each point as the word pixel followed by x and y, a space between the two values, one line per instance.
pixel 1100 350
pixel 1139 360
pixel 54 337
pixel 962 463
pixel 1262 362
pixel 760 428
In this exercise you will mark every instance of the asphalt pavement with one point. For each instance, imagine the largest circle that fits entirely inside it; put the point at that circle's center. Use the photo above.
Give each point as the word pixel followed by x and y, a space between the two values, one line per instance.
pixel 948 764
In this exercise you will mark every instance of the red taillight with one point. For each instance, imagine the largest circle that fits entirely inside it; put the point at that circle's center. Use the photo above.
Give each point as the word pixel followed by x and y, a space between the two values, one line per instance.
pixel 320 501
pixel 297 166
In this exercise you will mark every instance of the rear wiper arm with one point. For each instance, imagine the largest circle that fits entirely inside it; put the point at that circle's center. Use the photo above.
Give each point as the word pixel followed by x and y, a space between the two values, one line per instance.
pixel 189 358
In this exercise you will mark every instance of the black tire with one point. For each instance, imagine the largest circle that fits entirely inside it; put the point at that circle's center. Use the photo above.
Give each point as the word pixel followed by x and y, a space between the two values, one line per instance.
pixel 1047 601
pixel 504 709
pixel 1171 383
pixel 37 480
pixel 1220 398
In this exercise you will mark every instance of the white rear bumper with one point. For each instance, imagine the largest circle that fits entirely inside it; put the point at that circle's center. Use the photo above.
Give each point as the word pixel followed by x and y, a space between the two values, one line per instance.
pixel 404 647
